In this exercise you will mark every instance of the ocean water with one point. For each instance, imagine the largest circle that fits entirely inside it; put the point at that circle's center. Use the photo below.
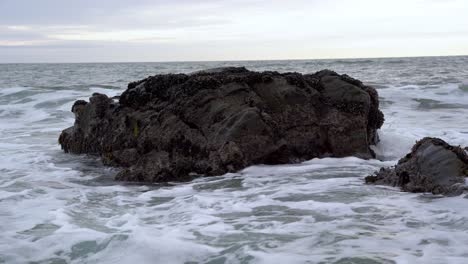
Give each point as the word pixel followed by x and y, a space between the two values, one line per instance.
pixel 62 208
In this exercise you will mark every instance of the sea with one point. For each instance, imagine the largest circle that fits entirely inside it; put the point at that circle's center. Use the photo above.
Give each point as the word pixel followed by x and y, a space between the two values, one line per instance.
pixel 64 208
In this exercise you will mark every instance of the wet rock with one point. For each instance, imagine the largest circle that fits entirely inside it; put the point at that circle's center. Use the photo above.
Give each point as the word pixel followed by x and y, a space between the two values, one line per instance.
pixel 432 166
pixel 170 127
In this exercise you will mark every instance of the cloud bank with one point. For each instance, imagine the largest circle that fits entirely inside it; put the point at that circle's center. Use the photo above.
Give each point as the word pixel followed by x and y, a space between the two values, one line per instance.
pixel 118 30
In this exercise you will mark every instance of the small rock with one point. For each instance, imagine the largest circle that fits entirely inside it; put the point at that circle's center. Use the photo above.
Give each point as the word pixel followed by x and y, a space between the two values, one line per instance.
pixel 432 166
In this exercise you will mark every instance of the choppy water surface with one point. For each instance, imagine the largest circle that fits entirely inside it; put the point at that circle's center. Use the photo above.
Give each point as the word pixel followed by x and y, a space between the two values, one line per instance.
pixel 61 208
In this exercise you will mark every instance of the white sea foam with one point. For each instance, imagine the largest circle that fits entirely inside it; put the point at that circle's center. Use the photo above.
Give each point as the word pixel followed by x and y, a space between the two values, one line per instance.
pixel 61 208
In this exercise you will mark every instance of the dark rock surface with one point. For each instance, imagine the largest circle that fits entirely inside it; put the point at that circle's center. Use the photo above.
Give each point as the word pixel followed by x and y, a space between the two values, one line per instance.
pixel 432 166
pixel 172 127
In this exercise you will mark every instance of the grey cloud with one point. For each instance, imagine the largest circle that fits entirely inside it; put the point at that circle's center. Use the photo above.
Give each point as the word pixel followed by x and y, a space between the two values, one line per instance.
pixel 102 12
pixel 206 29
pixel 6 34
pixel 58 11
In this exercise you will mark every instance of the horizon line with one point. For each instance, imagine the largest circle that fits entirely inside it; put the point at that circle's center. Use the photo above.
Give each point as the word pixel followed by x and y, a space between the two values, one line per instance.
pixel 239 60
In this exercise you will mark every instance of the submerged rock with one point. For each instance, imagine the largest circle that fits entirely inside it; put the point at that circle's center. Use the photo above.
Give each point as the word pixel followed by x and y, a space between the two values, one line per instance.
pixel 432 166
pixel 172 127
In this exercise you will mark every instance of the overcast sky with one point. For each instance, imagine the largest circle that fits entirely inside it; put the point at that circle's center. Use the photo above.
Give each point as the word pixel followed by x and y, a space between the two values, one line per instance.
pixel 178 30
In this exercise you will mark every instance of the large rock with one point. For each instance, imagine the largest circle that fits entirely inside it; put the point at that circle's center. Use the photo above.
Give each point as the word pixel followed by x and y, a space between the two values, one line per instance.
pixel 175 126
pixel 432 166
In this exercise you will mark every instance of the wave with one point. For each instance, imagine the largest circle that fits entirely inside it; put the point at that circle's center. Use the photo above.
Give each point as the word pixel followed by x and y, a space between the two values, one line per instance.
pixel 77 87
pixel 429 104
pixel 65 208
pixel 395 61
pixel 463 87
pixel 353 61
